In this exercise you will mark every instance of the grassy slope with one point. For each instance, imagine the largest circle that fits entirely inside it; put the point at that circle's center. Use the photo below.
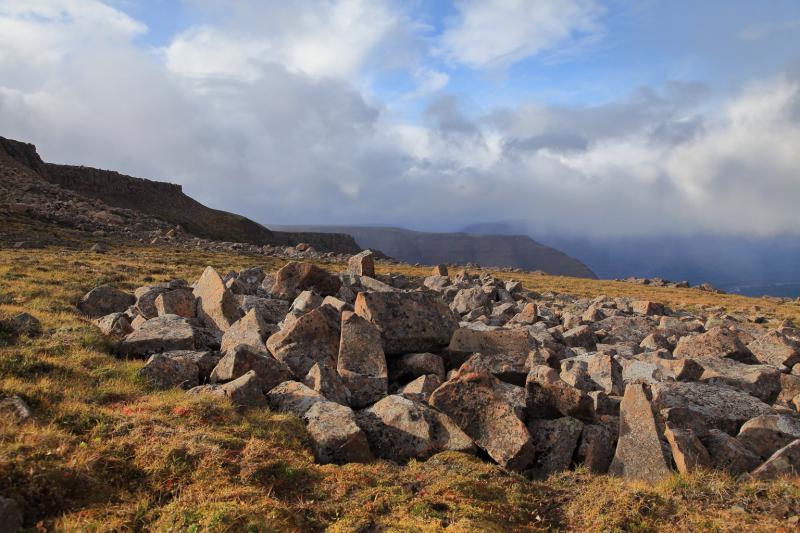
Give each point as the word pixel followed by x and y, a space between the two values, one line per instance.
pixel 105 452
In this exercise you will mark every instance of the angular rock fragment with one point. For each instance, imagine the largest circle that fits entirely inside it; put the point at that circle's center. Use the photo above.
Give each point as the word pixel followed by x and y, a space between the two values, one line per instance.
pixel 324 379
pixel 761 381
pixel 597 444
pixel 250 330
pixel 114 325
pixel 581 336
pixel 711 406
pixel 161 334
pixel 547 398
pixel 244 391
pixel 164 371
pixel 296 277
pixel 509 368
pixel 766 434
pixel 784 462
pixel 467 300
pixel 400 429
pixel 362 264
pixel 640 453
pixel 717 342
pixel 146 299
pixel 270 310
pixel 410 366
pixel 180 301
pixel 775 349
pixel 421 388
pixel 555 442
pixel 104 300
pixel 729 454
pixel 335 435
pixel 17 406
pixel 361 362
pixel 408 321
pixel 687 450
pixel 313 338
pixel 647 308
pixel 216 305
pixel 516 344
pixel 475 402
pixel 293 397
pixel 244 358
pixel 439 270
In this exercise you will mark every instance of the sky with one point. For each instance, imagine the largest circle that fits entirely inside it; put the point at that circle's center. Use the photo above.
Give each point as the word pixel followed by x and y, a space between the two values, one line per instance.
pixel 575 117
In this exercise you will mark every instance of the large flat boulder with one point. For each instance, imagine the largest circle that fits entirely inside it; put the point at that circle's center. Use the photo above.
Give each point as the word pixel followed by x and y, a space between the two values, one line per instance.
pixel 705 405
pixel 641 453
pixel 476 403
pixel 408 321
pixel 216 305
pixel 160 334
pixel 776 349
pixel 361 362
pixel 761 381
pixel 717 342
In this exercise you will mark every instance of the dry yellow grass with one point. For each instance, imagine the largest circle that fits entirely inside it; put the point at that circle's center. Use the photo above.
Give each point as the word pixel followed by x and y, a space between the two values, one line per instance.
pixel 106 453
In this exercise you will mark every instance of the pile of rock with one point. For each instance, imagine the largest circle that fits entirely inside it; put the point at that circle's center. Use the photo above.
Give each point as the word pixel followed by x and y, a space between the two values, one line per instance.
pixel 396 368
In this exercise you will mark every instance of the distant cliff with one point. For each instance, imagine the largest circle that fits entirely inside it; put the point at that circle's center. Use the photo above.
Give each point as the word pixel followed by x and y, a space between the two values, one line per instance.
pixel 460 248
pixel 167 202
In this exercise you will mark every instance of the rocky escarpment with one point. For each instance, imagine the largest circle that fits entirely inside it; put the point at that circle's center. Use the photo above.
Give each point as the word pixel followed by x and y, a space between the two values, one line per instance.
pixel 517 251
pixel 167 202
pixel 397 368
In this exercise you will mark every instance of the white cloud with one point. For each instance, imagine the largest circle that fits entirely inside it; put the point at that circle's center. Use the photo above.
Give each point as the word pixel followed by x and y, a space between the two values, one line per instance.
pixel 498 33
pixel 284 144
pixel 320 38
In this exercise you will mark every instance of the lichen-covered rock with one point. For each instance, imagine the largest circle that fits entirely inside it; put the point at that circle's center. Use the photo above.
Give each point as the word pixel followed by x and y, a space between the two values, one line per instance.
pixel 555 442
pixel 510 368
pixel 476 403
pixel 270 310
pixel 597 444
pixel 104 300
pixel 717 342
pixel 179 301
pixel 729 454
pixel 408 321
pixel 552 398
pixel 324 379
pixel 335 435
pixel 296 277
pixel 641 453
pixel 216 305
pixel 160 334
pixel 766 434
pixel 514 344
pixel 165 371
pixel 421 388
pixel 250 330
pixel 467 300
pixel 784 462
pixel 761 381
pixel 313 338
pixel 362 264
pixel 146 299
pixel 244 391
pixel 580 336
pixel 400 429
pixel 114 325
pixel 775 349
pixel 361 362
pixel 705 405
pixel 293 397
pixel 687 450
pixel 411 366
pixel 244 358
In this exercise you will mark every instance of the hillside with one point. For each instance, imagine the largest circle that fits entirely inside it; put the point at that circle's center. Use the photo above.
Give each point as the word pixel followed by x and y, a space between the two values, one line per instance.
pixel 517 251
pixel 103 450
pixel 165 201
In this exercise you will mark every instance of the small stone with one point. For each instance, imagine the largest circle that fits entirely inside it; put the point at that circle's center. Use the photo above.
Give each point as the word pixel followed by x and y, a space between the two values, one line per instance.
pixel 114 325
pixel 26 324
pixel 16 405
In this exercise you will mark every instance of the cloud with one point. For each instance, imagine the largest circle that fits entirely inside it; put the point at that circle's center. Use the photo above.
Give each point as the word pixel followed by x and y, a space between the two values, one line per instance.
pixel 320 38
pixel 498 33
pixel 254 133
